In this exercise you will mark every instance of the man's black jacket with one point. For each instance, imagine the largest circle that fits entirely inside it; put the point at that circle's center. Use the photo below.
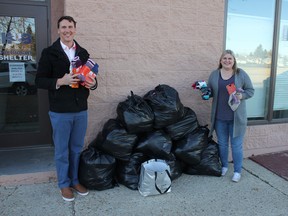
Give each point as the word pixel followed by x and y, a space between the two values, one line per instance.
pixel 53 64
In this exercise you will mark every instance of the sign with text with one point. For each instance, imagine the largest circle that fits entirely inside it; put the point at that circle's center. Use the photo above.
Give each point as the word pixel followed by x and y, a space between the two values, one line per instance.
pixel 17 72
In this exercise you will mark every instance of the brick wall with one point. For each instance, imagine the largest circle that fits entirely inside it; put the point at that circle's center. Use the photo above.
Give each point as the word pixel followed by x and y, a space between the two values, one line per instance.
pixel 142 43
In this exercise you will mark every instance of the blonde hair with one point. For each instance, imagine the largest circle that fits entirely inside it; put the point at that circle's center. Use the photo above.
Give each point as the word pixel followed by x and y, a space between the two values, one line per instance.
pixel 235 68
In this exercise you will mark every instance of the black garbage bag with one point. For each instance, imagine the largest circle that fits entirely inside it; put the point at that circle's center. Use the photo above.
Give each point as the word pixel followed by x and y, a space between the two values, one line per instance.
pixel 190 148
pixel 98 142
pixel 186 125
pixel 128 171
pixel 135 114
pixel 190 170
pixel 166 105
pixel 96 170
pixel 176 168
pixel 156 144
pixel 116 141
pixel 209 164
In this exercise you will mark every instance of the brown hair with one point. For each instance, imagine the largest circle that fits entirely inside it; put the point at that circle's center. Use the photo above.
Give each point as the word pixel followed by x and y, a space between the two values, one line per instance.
pixel 235 68
pixel 69 18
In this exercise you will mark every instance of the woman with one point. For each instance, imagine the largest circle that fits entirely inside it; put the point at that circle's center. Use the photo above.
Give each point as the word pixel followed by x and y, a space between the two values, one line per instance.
pixel 226 122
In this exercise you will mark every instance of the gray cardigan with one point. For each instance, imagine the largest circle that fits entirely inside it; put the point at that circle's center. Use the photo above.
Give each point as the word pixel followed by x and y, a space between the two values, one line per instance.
pixel 242 80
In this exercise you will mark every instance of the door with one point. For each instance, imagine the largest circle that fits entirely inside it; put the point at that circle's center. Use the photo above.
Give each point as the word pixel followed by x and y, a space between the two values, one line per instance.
pixel 23 109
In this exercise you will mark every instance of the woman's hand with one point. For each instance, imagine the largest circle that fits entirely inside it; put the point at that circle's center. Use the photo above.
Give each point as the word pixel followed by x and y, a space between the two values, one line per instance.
pixel 239 96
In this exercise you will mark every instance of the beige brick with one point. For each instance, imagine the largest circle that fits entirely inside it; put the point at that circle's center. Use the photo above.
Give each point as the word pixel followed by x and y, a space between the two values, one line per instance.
pixel 122 28
pixel 256 142
pixel 155 30
pixel 185 4
pixel 122 62
pixel 212 5
pixel 91 28
pixel 122 78
pixel 154 2
pixel 186 47
pixel 184 30
pixel 91 10
pixel 121 11
pixel 211 33
pixel 188 15
pixel 123 45
pixel 277 139
pixel 164 62
pixel 154 13
pixel 120 1
pixel 96 46
pixel 256 131
pixel 211 18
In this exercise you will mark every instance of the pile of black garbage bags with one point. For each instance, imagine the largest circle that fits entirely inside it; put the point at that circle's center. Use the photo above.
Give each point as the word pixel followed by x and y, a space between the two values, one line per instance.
pixel 155 126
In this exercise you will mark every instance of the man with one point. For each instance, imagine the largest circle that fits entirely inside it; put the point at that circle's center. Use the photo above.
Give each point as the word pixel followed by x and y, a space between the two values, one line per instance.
pixel 68 106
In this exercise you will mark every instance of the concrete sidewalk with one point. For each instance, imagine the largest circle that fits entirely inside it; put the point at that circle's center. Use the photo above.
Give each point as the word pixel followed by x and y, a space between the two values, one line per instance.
pixel 260 192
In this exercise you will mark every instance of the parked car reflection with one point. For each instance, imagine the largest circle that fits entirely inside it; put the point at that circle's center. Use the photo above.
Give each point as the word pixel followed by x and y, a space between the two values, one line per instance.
pixel 18 88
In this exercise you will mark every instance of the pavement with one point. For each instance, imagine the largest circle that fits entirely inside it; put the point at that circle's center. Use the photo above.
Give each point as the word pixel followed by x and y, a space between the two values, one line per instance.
pixel 259 192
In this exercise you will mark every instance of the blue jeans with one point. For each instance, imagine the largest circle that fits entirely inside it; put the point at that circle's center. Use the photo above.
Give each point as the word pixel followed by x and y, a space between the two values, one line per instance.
pixel 224 131
pixel 69 131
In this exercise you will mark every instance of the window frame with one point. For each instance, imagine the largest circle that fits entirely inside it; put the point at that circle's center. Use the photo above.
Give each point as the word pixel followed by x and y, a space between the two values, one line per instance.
pixel 268 118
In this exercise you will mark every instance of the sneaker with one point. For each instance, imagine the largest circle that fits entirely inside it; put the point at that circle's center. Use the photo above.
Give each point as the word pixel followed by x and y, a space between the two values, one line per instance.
pixel 80 189
pixel 67 194
pixel 224 171
pixel 236 177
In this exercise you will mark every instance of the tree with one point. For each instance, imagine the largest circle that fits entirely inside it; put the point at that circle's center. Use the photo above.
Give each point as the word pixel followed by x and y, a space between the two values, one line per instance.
pixel 259 52
pixel 5 21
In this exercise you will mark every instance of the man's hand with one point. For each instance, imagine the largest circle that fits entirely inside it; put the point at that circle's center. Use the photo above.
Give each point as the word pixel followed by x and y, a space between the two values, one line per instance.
pixel 89 82
pixel 68 79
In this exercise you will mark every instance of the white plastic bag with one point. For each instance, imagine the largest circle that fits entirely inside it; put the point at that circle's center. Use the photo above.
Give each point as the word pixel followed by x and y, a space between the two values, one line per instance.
pixel 154 178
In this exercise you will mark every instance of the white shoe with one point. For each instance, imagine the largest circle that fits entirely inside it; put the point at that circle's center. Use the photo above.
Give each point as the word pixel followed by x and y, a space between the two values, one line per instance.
pixel 224 171
pixel 236 177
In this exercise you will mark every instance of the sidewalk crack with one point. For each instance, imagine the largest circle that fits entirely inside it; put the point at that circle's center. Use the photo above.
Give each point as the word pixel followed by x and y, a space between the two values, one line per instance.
pixel 265 181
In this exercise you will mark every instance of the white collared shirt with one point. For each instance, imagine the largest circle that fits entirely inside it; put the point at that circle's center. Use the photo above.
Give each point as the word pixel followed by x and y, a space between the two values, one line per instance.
pixel 70 52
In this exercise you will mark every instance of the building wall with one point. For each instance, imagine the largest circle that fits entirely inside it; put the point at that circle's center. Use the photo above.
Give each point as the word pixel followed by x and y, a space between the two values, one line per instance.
pixel 56 11
pixel 140 44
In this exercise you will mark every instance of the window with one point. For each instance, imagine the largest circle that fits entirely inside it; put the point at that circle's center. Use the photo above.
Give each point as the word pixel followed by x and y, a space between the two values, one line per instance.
pixel 280 107
pixel 257 31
